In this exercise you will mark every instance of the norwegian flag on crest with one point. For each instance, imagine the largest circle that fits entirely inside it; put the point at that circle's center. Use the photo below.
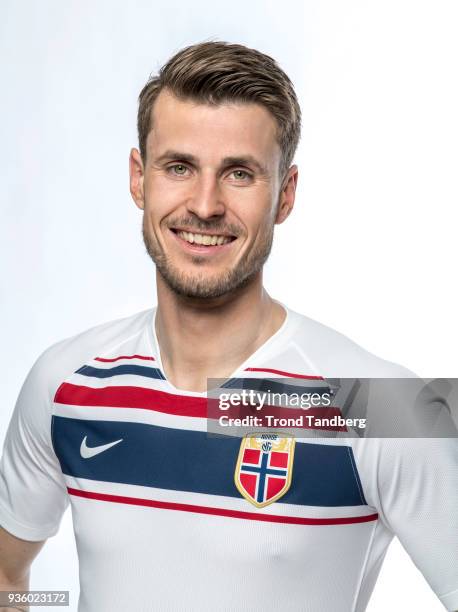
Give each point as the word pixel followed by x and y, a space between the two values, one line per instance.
pixel 264 468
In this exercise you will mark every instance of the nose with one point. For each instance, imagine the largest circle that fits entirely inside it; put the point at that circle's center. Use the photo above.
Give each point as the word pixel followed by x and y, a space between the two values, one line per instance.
pixel 206 201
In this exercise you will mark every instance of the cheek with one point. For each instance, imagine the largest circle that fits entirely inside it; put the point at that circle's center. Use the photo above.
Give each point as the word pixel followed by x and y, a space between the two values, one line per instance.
pixel 255 211
pixel 161 198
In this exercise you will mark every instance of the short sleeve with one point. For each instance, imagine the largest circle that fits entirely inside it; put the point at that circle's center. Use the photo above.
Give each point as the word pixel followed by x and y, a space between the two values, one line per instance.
pixel 417 498
pixel 33 495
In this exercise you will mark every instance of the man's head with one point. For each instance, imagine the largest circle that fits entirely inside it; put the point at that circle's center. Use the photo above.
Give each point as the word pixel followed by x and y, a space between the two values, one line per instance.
pixel 218 128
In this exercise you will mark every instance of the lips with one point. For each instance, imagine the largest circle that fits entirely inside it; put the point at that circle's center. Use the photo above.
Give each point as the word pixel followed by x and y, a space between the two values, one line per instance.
pixel 200 242
pixel 205 239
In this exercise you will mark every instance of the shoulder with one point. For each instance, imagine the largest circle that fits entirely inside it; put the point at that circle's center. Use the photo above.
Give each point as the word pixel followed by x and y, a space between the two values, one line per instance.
pixel 333 354
pixel 62 358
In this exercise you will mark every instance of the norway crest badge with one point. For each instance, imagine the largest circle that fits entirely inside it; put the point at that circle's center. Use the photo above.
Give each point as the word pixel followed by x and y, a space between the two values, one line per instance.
pixel 264 467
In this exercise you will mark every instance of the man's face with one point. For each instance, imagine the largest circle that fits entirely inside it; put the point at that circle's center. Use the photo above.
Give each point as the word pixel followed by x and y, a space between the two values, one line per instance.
pixel 210 191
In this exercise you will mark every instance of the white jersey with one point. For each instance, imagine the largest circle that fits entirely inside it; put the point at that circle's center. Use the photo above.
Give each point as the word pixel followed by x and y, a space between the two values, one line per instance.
pixel 159 521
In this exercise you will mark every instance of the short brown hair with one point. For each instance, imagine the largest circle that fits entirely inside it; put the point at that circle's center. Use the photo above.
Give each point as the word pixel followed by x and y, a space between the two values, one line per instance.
pixel 216 72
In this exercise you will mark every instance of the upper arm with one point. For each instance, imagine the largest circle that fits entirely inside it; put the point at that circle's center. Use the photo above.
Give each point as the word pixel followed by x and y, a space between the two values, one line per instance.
pixel 16 556
pixel 33 495
pixel 416 494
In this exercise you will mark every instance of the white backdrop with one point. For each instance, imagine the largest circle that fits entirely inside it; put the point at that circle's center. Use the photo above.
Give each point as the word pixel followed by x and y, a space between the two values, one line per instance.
pixel 370 248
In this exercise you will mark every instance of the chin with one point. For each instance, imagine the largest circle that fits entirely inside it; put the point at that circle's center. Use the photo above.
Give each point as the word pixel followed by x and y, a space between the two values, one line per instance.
pixel 204 286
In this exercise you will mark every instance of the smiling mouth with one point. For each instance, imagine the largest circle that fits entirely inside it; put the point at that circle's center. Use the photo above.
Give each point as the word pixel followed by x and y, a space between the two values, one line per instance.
pixel 203 239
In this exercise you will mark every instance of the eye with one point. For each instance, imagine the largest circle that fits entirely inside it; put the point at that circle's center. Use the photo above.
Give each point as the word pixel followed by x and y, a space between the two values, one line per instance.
pixel 241 175
pixel 177 169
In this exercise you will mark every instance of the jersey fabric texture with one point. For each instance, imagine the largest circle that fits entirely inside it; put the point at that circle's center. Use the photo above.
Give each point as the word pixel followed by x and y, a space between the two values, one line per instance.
pixel 158 520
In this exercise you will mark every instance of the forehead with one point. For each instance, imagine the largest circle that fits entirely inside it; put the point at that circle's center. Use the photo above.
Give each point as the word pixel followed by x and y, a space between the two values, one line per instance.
pixel 233 128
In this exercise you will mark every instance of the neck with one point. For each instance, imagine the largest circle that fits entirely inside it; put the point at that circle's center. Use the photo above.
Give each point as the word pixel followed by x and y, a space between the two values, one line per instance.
pixel 210 338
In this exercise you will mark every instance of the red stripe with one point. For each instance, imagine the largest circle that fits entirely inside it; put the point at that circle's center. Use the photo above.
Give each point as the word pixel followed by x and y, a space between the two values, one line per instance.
pixel 270 518
pixel 288 374
pixel 105 360
pixel 178 405
pixel 132 397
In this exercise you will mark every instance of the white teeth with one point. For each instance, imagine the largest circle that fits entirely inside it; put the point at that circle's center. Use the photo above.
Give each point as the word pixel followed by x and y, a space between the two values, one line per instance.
pixel 205 239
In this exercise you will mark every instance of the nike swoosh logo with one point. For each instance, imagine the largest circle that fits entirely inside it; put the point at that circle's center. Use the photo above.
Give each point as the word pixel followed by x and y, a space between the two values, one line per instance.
pixel 90 451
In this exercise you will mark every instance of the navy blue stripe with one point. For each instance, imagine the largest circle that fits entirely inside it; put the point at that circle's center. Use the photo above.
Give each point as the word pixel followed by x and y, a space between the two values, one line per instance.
pixel 181 460
pixel 138 370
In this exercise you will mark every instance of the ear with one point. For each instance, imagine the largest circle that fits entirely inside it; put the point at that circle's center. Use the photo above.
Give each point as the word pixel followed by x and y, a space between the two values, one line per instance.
pixel 287 195
pixel 136 173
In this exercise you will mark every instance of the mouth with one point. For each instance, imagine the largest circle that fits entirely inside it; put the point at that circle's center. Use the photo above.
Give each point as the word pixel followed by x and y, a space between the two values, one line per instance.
pixel 202 242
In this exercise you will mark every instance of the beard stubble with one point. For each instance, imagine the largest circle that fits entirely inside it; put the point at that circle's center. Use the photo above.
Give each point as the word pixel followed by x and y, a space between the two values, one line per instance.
pixel 200 284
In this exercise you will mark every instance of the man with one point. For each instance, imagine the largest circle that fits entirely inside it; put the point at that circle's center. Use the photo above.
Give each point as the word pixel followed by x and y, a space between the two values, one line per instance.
pixel 114 420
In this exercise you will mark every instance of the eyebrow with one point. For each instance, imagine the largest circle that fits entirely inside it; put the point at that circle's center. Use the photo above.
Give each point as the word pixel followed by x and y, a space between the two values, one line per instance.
pixel 235 160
